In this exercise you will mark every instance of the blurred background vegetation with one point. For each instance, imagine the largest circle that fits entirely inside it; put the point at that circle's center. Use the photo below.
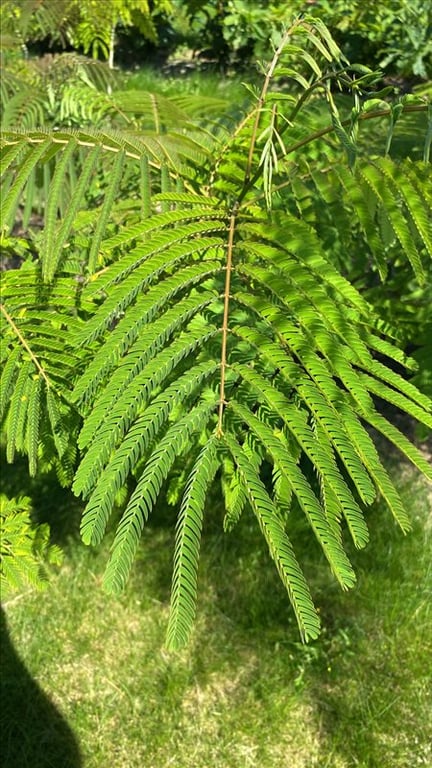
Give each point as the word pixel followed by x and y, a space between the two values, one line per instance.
pixel 395 35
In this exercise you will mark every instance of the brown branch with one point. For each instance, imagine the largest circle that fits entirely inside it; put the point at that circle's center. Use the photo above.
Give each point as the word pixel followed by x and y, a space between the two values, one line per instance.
pixel 24 344
pixel 227 290
pixel 409 108
pixel 262 98
pixel 256 111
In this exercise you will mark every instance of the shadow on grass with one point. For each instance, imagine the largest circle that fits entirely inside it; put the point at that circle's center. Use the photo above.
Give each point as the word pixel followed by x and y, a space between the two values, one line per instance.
pixel 357 697
pixel 33 732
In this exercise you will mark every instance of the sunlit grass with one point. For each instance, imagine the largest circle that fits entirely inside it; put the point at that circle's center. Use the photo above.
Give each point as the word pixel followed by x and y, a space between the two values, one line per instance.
pixel 245 692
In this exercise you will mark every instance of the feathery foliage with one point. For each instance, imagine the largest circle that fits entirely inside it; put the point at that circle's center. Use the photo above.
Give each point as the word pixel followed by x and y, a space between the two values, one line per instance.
pixel 25 547
pixel 186 307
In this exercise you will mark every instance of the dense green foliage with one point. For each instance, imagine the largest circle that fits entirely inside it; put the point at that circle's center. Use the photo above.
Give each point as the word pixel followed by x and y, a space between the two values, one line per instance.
pixel 393 35
pixel 25 548
pixel 86 25
pixel 187 316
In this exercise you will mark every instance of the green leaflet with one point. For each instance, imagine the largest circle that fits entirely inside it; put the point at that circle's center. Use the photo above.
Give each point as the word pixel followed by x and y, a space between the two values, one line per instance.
pixel 141 340
pixel 402 402
pixel 122 461
pixel 385 347
pixel 106 433
pixel 303 295
pixel 128 291
pixel 357 195
pixel 234 494
pixel 145 187
pixel 320 452
pixel 388 200
pixel 282 493
pixel 187 546
pixel 29 198
pixel 370 459
pixel 50 252
pixel 56 236
pixel 8 376
pixel 182 242
pixel 145 495
pixel 24 546
pixel 33 423
pixel 18 410
pixel 309 503
pixel 9 153
pixel 110 194
pixel 58 426
pixel 302 242
pixel 10 201
pixel 21 415
pixel 322 398
pixel 278 542
pixel 399 181
pixel 399 382
pixel 213 217
pixel 187 198
pixel 402 443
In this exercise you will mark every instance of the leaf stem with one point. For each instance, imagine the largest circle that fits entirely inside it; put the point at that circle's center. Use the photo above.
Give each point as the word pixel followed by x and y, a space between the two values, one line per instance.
pixel 409 108
pixel 24 344
pixel 232 224
pixel 262 98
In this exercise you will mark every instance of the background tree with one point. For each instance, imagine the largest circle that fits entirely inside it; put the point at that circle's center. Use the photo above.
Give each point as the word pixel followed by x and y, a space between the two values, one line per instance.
pixel 395 36
pixel 89 26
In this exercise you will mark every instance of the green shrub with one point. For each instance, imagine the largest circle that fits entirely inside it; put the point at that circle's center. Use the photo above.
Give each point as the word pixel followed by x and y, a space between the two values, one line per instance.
pixel 25 547
pixel 396 35
pixel 88 26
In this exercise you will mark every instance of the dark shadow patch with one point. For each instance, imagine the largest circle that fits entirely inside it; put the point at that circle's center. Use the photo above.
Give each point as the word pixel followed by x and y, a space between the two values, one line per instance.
pixel 33 732
pixel 51 503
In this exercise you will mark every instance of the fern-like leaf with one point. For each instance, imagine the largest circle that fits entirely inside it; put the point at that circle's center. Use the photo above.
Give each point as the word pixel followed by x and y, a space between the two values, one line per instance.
pixel 278 542
pixel 146 493
pixel 305 495
pixel 187 546
pixel 200 300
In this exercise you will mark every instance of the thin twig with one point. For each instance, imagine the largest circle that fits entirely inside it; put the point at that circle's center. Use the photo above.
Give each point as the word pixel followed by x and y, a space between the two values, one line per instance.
pixel 24 344
pixel 409 108
pixel 262 98
pixel 227 290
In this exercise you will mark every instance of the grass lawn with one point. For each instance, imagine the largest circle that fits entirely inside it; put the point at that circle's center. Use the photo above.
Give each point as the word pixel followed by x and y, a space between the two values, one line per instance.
pixel 245 692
